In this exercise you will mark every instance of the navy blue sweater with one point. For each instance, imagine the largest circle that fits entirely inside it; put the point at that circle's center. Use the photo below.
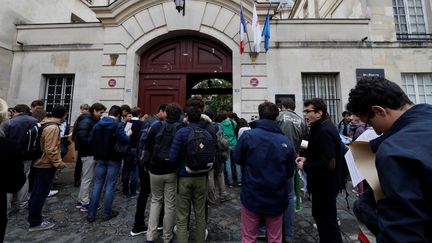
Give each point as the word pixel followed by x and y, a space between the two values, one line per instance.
pixel 103 137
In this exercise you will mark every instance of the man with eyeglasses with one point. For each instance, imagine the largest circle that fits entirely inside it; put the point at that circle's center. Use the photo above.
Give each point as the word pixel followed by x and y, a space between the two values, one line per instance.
pixel 403 158
pixel 322 164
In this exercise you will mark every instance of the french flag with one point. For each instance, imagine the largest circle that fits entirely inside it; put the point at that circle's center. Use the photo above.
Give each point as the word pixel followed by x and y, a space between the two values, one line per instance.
pixel 243 31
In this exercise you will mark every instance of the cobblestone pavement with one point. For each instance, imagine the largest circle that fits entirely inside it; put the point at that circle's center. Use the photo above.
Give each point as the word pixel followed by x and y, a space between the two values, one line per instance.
pixel 223 226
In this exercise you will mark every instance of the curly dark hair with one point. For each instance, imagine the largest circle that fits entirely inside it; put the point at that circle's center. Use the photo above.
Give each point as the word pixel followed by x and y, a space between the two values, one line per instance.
pixel 371 91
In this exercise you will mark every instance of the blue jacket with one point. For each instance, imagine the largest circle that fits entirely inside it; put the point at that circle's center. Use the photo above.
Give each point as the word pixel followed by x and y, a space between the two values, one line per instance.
pixel 17 127
pixel 178 150
pixel 404 165
pixel 103 137
pixel 267 157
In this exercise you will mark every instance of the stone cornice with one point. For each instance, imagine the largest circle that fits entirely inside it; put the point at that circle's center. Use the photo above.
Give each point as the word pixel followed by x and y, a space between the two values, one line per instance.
pixel 120 10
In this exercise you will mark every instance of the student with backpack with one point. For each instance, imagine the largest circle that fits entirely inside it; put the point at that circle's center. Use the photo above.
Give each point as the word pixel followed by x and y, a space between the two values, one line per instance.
pixel 194 149
pixel 16 129
pixel 45 168
pixel 163 179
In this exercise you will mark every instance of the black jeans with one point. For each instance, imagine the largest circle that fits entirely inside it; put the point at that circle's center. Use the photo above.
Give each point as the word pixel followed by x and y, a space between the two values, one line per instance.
pixel 42 185
pixel 142 199
pixel 325 214
pixel 3 215
pixel 78 169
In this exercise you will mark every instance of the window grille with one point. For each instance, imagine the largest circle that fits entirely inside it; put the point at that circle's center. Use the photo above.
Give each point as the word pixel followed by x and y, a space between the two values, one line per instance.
pixel 59 91
pixel 418 87
pixel 322 86
pixel 409 19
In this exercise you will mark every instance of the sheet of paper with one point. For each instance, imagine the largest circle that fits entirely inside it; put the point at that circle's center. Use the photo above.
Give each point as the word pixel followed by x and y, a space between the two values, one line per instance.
pixel 356 176
pixel 365 160
pixel 128 127
pixel 367 135
pixel 304 144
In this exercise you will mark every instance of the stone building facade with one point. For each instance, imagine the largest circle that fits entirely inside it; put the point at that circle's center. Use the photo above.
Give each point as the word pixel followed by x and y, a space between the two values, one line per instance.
pixel 144 52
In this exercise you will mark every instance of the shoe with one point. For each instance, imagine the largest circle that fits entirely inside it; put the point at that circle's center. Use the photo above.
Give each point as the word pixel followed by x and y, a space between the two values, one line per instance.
pixel 175 229
pixel 84 208
pixel 90 219
pixel 224 198
pixel 230 185
pixel 45 225
pixel 239 184
pixel 206 234
pixel 134 195
pixel 52 193
pixel 159 228
pixel 112 215
pixel 78 205
pixel 138 230
pixel 77 184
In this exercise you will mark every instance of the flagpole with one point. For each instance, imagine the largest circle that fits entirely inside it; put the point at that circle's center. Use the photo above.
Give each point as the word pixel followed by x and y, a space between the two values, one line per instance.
pixel 247 33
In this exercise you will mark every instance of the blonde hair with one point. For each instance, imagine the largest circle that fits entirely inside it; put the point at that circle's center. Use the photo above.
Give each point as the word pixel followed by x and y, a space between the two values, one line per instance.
pixel 3 110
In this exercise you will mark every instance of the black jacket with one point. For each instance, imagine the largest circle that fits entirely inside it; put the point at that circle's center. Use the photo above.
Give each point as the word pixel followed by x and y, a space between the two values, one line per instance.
pixel 323 159
pixel 12 172
pixel 82 132
pixel 404 165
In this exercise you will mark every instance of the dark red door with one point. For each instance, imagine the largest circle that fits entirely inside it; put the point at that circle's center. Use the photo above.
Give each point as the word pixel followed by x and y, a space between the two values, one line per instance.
pixel 165 65
pixel 156 89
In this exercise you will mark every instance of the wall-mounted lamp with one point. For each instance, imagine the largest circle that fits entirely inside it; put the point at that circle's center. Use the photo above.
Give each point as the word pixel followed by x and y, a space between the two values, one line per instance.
pixel 113 58
pixel 180 5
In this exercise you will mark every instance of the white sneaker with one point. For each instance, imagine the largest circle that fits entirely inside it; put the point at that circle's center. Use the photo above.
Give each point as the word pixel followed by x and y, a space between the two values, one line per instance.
pixel 206 234
pixel 52 193
pixel 45 225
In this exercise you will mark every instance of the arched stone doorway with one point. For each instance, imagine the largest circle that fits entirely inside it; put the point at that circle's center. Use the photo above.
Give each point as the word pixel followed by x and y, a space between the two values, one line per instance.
pixel 171 67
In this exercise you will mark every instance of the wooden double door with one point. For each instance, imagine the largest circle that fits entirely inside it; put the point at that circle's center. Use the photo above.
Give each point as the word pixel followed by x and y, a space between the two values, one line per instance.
pixel 166 65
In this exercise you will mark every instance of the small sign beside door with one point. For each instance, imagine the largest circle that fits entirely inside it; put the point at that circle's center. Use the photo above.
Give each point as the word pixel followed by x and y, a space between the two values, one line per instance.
pixel 112 83
pixel 254 82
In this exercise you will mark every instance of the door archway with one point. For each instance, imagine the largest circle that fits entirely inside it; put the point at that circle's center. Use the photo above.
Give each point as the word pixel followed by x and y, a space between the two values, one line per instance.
pixel 167 67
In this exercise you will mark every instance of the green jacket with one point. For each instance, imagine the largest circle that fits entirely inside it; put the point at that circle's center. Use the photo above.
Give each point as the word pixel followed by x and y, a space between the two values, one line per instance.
pixel 228 127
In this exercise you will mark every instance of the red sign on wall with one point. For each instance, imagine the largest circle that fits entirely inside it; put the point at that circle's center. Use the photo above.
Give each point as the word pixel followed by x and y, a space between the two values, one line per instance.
pixel 254 82
pixel 112 83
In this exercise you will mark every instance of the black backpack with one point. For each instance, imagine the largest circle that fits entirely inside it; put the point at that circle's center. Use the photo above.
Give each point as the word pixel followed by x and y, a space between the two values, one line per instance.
pixel 200 151
pixel 162 142
pixel 31 142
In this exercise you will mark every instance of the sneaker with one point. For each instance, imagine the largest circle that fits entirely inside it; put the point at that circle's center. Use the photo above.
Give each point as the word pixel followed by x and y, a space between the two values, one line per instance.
pixel 206 234
pixel 52 193
pixel 84 208
pixel 78 205
pixel 224 198
pixel 175 229
pixel 239 184
pixel 45 225
pixel 112 215
pixel 159 228
pixel 135 195
pixel 138 230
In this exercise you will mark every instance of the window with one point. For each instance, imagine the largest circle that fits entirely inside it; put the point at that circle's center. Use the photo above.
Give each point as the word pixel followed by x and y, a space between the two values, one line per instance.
pixel 410 19
pixel 59 91
pixel 322 86
pixel 418 87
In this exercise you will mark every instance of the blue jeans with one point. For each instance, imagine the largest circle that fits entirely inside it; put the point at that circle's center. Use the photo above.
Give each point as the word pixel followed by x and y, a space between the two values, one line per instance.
pixel 109 171
pixel 228 171
pixel 130 170
pixel 43 179
pixel 289 212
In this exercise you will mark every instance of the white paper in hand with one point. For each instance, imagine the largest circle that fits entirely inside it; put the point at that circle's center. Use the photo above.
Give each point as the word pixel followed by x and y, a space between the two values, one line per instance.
pixel 356 176
pixel 128 127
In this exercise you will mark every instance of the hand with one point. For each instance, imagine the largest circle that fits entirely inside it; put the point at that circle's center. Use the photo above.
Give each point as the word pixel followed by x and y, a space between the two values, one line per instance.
pixel 61 166
pixel 300 161
pixel 129 133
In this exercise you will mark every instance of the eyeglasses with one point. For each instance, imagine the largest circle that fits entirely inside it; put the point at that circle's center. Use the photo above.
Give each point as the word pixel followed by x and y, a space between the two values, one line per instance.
pixel 308 111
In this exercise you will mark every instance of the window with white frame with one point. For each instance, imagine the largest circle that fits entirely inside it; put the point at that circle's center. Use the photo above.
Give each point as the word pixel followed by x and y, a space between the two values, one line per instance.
pixel 418 87
pixel 59 91
pixel 322 86
pixel 409 17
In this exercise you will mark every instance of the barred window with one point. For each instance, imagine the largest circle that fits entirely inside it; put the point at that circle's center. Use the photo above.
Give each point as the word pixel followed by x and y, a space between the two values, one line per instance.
pixel 322 86
pixel 418 87
pixel 409 17
pixel 59 91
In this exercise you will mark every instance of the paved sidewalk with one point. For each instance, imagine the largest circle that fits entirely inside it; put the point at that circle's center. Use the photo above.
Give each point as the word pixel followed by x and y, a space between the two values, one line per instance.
pixel 224 220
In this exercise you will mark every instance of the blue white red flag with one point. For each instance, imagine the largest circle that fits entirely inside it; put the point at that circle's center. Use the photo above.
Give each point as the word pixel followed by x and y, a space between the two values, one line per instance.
pixel 243 31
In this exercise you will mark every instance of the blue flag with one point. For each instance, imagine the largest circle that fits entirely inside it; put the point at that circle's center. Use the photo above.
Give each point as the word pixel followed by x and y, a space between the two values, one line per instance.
pixel 266 32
